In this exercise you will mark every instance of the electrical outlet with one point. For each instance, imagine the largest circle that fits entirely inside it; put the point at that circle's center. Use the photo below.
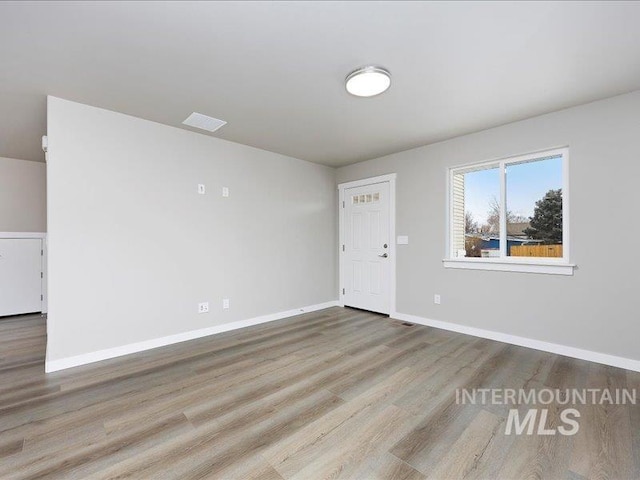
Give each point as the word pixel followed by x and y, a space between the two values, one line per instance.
pixel 225 304
pixel 225 191
pixel 201 189
pixel 203 307
pixel 436 299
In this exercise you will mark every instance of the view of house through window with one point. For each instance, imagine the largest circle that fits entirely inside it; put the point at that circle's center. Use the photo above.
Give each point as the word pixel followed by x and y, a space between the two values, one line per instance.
pixel 527 219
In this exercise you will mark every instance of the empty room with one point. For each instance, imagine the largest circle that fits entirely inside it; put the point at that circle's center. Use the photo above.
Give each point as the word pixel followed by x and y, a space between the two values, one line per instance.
pixel 300 240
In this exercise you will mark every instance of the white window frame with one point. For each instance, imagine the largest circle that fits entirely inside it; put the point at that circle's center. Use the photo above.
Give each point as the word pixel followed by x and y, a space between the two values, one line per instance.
pixel 554 266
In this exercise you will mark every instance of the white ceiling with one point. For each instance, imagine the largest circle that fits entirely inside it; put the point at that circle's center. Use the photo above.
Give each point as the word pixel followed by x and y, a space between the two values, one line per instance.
pixel 275 70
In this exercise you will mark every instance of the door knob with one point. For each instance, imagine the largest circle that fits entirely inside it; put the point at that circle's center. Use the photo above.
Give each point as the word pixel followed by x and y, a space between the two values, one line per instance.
pixel 384 255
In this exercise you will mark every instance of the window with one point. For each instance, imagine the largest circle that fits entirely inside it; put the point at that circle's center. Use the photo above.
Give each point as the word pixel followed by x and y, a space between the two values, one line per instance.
pixel 365 198
pixel 511 214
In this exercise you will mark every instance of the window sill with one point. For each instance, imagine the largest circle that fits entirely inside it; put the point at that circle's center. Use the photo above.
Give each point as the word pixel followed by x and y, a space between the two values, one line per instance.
pixel 501 265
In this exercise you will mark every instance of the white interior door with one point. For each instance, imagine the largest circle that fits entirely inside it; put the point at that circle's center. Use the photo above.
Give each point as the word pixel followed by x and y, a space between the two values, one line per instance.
pixel 20 275
pixel 366 265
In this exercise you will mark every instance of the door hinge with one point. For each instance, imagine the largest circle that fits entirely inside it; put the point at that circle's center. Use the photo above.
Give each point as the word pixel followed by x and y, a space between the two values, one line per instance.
pixel 41 252
pixel 41 275
pixel 343 204
pixel 343 248
pixel 343 291
pixel 41 297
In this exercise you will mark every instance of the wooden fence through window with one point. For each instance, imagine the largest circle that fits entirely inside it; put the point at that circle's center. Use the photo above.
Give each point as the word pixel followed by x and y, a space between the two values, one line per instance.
pixel 536 251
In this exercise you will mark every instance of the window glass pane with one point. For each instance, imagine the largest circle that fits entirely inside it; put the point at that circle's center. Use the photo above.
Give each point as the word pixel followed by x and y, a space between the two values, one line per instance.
pixel 534 208
pixel 476 213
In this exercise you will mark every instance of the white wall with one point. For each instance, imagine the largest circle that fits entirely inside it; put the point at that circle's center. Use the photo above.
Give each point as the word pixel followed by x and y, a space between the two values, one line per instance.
pixel 23 205
pixel 597 308
pixel 133 248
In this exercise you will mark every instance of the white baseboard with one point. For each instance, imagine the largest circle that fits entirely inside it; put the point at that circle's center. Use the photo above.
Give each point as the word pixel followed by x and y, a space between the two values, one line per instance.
pixel 603 358
pixel 91 357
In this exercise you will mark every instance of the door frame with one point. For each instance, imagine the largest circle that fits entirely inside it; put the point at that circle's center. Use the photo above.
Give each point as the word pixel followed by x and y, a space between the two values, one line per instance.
pixel 44 290
pixel 389 178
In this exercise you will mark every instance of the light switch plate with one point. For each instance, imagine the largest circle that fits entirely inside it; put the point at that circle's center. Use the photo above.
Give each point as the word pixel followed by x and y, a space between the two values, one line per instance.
pixel 225 191
pixel 403 240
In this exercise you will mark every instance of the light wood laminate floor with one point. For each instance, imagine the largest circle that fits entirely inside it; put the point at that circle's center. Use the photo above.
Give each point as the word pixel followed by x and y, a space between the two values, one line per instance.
pixel 338 393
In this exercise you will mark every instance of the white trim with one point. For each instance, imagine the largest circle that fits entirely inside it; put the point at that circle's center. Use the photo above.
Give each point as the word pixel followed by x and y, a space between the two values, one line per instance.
pixel 392 243
pixel 45 275
pixel 503 211
pixel 391 179
pixel 23 235
pixel 566 243
pixel 519 158
pixel 448 244
pixel 368 181
pixel 91 357
pixel 341 207
pixel 573 352
pixel 504 265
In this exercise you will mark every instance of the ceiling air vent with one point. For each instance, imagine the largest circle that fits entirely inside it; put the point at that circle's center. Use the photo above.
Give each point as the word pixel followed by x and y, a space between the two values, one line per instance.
pixel 204 122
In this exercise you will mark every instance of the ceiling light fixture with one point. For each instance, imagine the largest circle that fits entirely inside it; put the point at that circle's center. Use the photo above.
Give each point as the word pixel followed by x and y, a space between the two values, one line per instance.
pixel 368 81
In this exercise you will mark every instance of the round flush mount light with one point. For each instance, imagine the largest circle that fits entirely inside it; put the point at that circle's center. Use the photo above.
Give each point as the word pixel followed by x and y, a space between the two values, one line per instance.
pixel 368 81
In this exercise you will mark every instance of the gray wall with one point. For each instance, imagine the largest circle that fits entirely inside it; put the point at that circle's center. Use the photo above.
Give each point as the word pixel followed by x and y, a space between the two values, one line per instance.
pixel 23 206
pixel 133 248
pixel 597 308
